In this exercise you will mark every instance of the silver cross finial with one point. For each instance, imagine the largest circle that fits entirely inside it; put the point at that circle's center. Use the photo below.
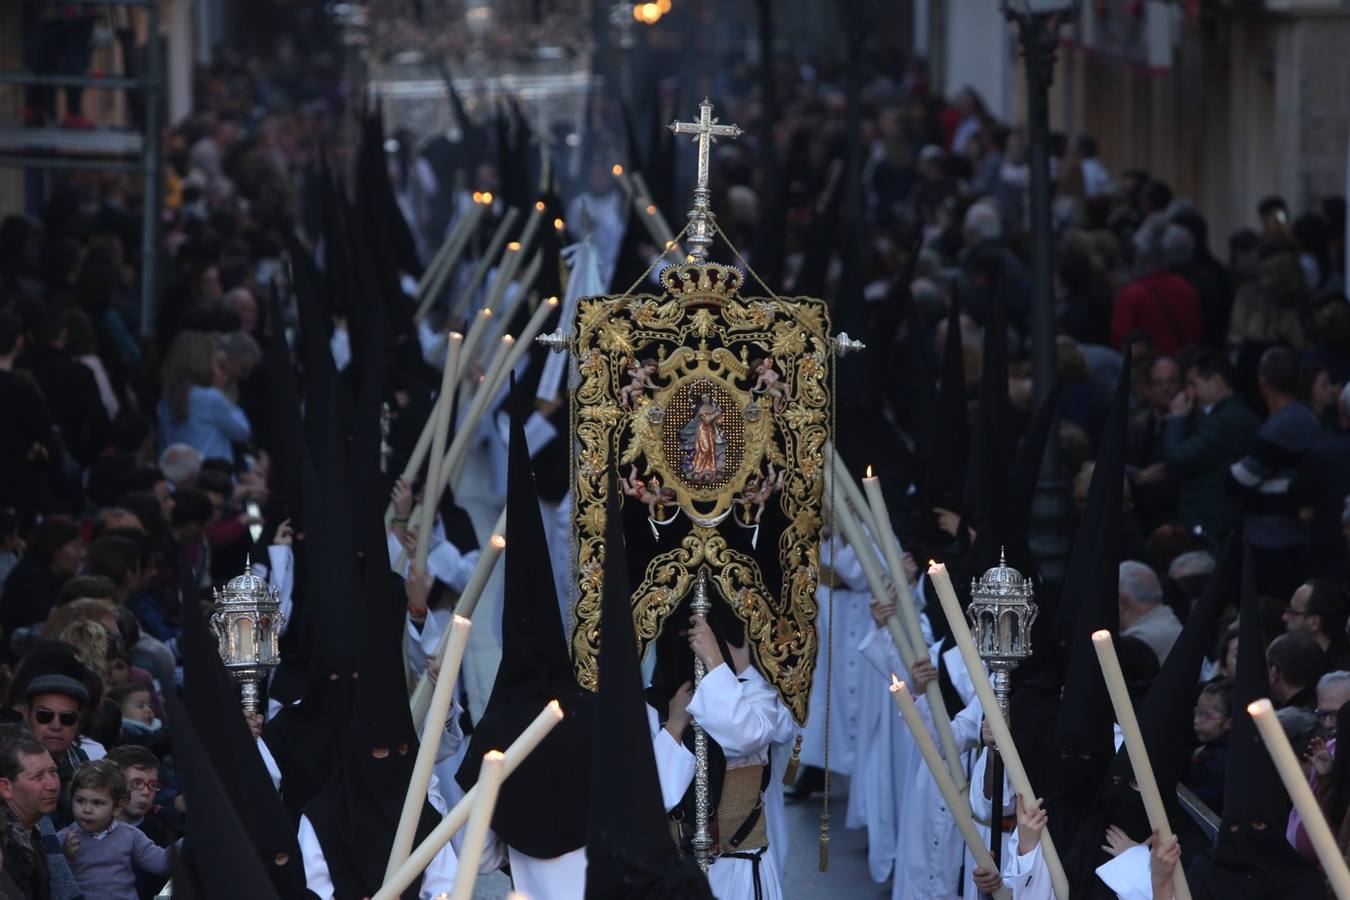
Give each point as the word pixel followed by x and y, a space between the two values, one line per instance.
pixel 706 131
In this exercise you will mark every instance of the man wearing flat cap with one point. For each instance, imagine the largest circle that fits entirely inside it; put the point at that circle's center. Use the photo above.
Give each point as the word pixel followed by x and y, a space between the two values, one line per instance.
pixel 55 703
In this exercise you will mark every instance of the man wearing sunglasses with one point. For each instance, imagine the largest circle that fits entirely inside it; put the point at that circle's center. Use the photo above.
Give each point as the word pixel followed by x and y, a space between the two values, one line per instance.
pixel 54 706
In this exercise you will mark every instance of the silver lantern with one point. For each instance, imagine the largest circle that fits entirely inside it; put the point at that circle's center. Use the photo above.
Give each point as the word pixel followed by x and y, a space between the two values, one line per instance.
pixel 247 622
pixel 1001 614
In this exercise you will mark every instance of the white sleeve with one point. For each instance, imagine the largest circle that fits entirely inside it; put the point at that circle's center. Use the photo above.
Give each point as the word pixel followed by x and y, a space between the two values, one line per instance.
pixel 849 570
pixel 282 577
pixel 674 763
pixel 966 726
pixel 396 551
pixel 743 716
pixel 450 567
pixel 1128 874
pixel 1027 875
pixel 269 762
pixel 317 877
pixel 879 650
pixel 340 345
pixel 452 736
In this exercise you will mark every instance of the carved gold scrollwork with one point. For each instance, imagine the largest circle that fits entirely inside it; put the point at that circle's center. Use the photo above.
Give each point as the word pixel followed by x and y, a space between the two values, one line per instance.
pixel 676 391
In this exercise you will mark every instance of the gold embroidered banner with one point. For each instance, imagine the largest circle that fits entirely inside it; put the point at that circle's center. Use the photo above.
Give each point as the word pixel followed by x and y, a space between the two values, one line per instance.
pixel 714 409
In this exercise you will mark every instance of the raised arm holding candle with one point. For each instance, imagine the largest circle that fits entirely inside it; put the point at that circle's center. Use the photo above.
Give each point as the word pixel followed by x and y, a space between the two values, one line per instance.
pixel 957 802
pixel 1296 783
pixel 1012 760
pixel 1134 745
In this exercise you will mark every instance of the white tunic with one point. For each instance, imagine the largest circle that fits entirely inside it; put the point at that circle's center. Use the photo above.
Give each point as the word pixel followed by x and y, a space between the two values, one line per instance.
pixel 982 810
pixel 888 758
pixel 746 717
pixel 930 846
pixel 840 632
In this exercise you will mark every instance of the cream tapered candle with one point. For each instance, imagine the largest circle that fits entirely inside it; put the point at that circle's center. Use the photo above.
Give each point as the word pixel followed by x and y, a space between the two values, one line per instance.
pixel 519 348
pixel 1296 783
pixel 480 817
pixel 433 726
pixel 468 602
pixel 909 615
pixel 467 430
pixel 845 482
pixel 502 316
pixel 993 714
pixel 490 253
pixel 1134 746
pixel 516 251
pixel 852 531
pixel 957 803
pixel 445 402
pixel 443 265
pixel 425 852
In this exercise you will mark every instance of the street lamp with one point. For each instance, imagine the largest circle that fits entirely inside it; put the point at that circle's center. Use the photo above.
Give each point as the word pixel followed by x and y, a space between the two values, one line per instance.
pixel 1038 24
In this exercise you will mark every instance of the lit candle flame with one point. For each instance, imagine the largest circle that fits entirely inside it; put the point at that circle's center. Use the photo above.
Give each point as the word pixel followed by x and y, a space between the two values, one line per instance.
pixel 617 170
pixel 552 301
pixel 487 196
pixel 1259 707
pixel 1101 636
pixel 539 205
pixel 555 707
pixel 497 541
pixel 896 684
pixel 494 756
pixel 462 621
pixel 477 197
pixel 559 224
pixel 869 471
pixel 651 209
pixel 514 246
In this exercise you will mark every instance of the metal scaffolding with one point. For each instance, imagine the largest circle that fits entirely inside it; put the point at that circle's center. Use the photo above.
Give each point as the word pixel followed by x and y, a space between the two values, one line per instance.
pixel 104 149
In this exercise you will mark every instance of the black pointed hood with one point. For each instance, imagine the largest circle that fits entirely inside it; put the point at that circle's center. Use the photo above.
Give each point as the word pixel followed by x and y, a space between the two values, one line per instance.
pixel 220 860
pixel 1253 792
pixel 629 852
pixel 211 701
pixel 284 423
pixel 535 669
pixel 1084 737
pixel 1253 858
pixel 944 484
pixel 375 197
pixel 357 812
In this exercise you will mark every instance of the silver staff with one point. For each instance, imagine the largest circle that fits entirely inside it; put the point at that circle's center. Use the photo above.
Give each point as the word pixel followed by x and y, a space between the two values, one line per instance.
pixel 702 807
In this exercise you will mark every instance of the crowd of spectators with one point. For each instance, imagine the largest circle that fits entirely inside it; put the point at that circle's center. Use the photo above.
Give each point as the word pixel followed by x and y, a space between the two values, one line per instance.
pixel 133 451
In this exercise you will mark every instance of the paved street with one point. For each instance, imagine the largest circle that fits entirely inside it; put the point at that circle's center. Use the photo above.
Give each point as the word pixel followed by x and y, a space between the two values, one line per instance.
pixel 803 880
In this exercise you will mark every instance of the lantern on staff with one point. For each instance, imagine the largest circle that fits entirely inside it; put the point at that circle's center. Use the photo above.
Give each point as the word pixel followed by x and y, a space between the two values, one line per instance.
pixel 1001 614
pixel 247 622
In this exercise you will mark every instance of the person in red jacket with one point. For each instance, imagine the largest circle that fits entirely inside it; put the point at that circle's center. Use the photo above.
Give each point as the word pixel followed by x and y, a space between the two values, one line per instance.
pixel 1158 300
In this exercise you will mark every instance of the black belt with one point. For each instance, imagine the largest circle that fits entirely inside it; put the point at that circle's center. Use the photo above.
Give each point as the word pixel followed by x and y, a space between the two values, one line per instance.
pixel 754 856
